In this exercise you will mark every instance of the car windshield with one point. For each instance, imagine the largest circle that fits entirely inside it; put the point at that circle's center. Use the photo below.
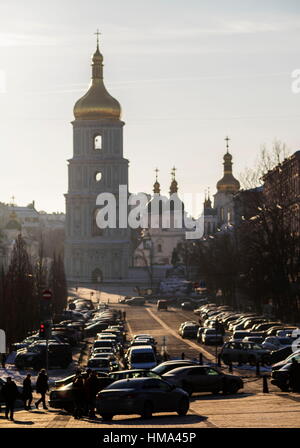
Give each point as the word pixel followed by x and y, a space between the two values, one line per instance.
pixel 98 362
pixel 143 357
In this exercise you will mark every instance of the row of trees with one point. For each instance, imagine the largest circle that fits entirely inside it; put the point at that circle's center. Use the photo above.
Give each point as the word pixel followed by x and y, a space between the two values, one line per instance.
pixel 259 258
pixel 21 287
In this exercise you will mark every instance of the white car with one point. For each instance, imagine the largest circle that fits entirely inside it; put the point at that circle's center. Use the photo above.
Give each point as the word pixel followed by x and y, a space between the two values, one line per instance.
pixel 276 343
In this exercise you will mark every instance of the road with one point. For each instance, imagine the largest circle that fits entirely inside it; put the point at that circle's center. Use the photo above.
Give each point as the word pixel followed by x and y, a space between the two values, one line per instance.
pixel 250 408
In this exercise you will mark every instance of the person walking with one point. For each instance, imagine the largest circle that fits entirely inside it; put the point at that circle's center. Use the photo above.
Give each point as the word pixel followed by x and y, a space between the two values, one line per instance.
pixel 91 387
pixel 294 374
pixel 3 360
pixel 27 392
pixel 42 387
pixel 10 394
pixel 78 394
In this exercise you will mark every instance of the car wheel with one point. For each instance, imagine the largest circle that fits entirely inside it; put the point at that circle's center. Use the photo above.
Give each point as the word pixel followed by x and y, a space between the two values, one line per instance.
pixel 232 388
pixel 107 417
pixel 183 406
pixel 147 410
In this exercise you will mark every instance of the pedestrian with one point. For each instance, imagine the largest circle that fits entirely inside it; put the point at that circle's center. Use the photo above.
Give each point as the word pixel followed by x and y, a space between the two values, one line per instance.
pixel 91 387
pixel 294 376
pixel 42 387
pixel 27 392
pixel 124 315
pixel 78 396
pixel 3 360
pixel 10 394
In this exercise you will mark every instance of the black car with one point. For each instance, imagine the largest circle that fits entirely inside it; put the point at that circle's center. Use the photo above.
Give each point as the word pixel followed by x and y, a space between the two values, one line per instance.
pixel 281 378
pixel 166 366
pixel 143 396
pixel 203 379
pixel 63 397
pixel 281 354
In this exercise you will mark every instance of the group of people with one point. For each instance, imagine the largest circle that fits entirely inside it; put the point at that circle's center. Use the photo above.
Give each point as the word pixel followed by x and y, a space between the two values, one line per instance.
pixel 11 393
pixel 86 387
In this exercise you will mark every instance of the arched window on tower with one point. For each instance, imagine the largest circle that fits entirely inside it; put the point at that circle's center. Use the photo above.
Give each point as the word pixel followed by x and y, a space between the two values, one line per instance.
pixel 98 142
pixel 229 215
pixel 159 248
pixel 222 214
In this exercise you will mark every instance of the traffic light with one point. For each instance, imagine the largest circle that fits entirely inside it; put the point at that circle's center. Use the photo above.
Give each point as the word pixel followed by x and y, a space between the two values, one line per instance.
pixel 42 331
pixel 45 330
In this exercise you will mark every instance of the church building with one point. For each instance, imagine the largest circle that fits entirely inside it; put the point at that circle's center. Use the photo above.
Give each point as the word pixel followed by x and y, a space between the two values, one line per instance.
pixel 98 166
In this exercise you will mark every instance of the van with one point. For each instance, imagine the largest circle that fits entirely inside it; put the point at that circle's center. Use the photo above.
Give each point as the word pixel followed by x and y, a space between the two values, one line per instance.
pixel 141 357
pixel 162 305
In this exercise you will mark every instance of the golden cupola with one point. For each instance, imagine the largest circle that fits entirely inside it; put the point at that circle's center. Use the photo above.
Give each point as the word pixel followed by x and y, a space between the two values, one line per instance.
pixel 97 103
pixel 228 183
pixel 174 184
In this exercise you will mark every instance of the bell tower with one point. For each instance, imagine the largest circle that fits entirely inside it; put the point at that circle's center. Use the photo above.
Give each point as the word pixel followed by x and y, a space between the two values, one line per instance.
pixel 97 166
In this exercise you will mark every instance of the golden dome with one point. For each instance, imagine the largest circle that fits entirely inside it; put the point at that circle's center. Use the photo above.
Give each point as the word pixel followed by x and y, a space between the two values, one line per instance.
pixel 97 103
pixel 228 183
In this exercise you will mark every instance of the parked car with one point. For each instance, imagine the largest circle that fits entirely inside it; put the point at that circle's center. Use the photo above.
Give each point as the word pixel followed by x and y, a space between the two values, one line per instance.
pixel 59 355
pixel 166 366
pixel 210 336
pixel 281 378
pixel 281 354
pixel 265 326
pixel 189 331
pixel 188 306
pixel 63 397
pixel 162 305
pixel 288 360
pixel 141 357
pixel 100 364
pixel 256 339
pixel 143 396
pixel 244 352
pixel 275 343
pixel 203 379
pixel 136 301
pixel 239 335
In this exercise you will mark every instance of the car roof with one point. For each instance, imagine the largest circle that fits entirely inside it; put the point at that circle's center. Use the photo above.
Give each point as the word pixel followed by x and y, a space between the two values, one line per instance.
pixel 179 369
pixel 141 348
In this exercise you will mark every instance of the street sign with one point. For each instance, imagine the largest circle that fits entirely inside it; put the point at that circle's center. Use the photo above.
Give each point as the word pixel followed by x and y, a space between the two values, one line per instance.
pixel 47 294
pixel 2 341
pixel 46 305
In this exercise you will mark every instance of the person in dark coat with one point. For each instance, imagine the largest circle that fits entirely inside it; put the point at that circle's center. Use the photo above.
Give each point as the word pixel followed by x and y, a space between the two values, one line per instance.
pixel 10 393
pixel 3 360
pixel 294 374
pixel 91 387
pixel 78 396
pixel 27 392
pixel 42 387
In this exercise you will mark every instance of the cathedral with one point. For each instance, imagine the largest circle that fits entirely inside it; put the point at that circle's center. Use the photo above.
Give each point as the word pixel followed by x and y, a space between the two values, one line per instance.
pixel 221 215
pixel 93 254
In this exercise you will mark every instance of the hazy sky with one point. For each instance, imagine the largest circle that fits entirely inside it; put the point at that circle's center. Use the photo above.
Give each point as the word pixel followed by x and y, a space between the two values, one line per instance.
pixel 186 72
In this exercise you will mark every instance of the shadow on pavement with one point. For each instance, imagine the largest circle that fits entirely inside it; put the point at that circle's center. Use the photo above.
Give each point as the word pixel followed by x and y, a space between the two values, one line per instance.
pixel 220 397
pixel 158 420
pixel 22 422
